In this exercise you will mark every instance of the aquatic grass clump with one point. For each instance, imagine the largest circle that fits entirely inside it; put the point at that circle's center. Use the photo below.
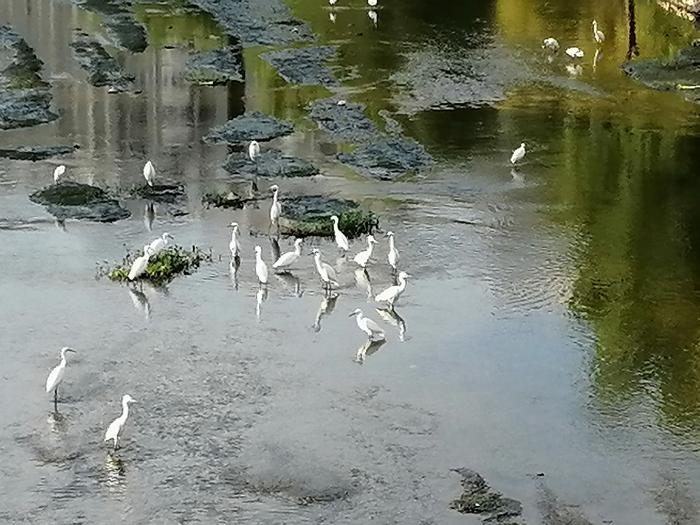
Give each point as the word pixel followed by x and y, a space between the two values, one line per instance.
pixel 353 223
pixel 164 266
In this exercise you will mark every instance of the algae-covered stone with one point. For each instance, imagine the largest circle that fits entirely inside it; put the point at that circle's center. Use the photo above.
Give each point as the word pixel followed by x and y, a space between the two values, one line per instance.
pixel 162 267
pixel 102 68
pixel 73 200
pixel 345 121
pixel 303 65
pixel 25 99
pixel 224 199
pixel 270 163
pixel 249 126
pixel 215 67
pixel 388 158
pixel 478 498
pixel 310 216
pixel 170 193
pixel 682 73
pixel 34 153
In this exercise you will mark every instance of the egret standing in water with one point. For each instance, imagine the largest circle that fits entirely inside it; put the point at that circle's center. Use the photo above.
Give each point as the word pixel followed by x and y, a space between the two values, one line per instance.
pixel 115 428
pixel 56 375
pixel 149 173
pixel 160 244
pixel 325 271
pixel 260 266
pixel 340 239
pixel 372 3
pixel 598 35
pixel 393 255
pixel 58 173
pixel 550 44
pixel 288 259
pixel 276 207
pixel 138 267
pixel 373 17
pixel 363 257
pixel 391 294
pixel 372 329
pixel 234 245
pixel 518 154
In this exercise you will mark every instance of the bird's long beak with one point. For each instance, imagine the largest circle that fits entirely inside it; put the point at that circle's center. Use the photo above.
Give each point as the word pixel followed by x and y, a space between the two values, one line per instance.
pixel 71 350
pixel 352 314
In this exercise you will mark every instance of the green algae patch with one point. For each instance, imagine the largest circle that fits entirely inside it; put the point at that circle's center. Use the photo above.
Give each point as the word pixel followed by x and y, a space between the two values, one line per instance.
pixel 310 216
pixel 163 267
pixel 73 200
pixel 224 199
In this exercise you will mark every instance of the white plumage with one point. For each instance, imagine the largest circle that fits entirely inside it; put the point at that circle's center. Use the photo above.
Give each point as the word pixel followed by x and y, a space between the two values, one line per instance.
pixel 325 270
pixel 287 259
pixel 276 207
pixel 116 427
pixel 574 52
pixel 550 44
pixel 149 173
pixel 332 2
pixel 393 255
pixel 260 266
pixel 518 154
pixel 58 173
pixel 372 3
pixel 138 267
pixel 373 16
pixel 160 244
pixel 340 239
pixel 253 150
pixel 234 245
pixel 391 294
pixel 372 329
pixel 56 375
pixel 598 35
pixel 363 257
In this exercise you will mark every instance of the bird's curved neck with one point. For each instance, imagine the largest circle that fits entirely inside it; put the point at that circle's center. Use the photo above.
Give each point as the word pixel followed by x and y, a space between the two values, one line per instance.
pixel 297 249
pixel 402 282
pixel 234 234
pixel 274 197
pixel 125 411
pixel 317 260
pixel 391 242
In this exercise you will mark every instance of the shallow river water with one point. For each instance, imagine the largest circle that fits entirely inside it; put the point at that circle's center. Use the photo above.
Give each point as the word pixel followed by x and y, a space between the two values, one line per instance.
pixel 551 342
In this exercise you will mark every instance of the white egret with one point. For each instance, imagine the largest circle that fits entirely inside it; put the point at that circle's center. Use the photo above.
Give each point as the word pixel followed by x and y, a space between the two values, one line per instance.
pixel 116 427
pixel 58 173
pixel 56 375
pixel 325 271
pixel 342 102
pixel 289 258
pixel 332 2
pixel 598 35
pixel 574 69
pixel 253 150
pixel 149 173
pixel 138 267
pixel 393 255
pixel 363 257
pixel 260 266
pixel 234 245
pixel 160 244
pixel 574 52
pixel 518 154
pixel 372 3
pixel 372 329
pixel 340 239
pixel 373 17
pixel 276 207
pixel 332 17
pixel 391 294
pixel 550 44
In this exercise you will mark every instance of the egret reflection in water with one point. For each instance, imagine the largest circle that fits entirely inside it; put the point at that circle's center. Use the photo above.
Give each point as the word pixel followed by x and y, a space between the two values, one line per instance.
pixel 392 317
pixel 291 282
pixel 260 297
pixel 325 308
pixel 140 301
pixel 149 215
pixel 367 349
pixel 233 267
pixel 362 281
pixel 274 249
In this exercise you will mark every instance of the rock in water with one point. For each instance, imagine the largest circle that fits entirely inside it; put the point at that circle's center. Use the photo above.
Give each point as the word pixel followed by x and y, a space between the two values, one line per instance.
pixel 388 159
pixel 102 68
pixel 34 153
pixel 216 67
pixel 310 216
pixel 73 200
pixel 249 126
pixel 304 65
pixel 479 498
pixel 270 163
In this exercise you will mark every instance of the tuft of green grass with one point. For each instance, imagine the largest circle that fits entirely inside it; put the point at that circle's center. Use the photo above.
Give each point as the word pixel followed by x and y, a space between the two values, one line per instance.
pixel 352 223
pixel 162 267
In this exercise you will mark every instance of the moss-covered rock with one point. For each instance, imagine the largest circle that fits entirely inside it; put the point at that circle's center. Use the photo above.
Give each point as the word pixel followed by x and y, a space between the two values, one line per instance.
pixel 249 126
pixel 215 67
pixel 479 498
pixel 102 68
pixel 310 216
pixel 270 163
pixel 35 153
pixel 162 267
pixel 166 193
pixel 224 199
pixel 73 200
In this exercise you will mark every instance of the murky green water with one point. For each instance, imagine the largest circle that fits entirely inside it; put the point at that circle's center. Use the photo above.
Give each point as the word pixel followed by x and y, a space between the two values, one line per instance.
pixel 551 325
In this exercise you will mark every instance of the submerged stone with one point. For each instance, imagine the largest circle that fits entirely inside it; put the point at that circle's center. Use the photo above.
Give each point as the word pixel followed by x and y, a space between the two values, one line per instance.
pixel 25 99
pixel 73 200
pixel 680 74
pixel 310 216
pixel 343 121
pixel 215 67
pixel 388 158
pixel 257 23
pixel 123 29
pixel 34 153
pixel 304 65
pixel 166 193
pixel 102 68
pixel 479 498
pixel 270 163
pixel 249 126
pixel 162 267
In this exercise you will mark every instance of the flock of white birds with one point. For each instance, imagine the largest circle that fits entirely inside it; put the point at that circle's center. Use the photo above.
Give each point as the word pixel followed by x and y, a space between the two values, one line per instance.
pixel 287 260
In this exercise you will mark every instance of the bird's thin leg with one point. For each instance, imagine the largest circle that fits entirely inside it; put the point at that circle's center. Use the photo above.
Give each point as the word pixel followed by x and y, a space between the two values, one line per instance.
pixel 55 399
